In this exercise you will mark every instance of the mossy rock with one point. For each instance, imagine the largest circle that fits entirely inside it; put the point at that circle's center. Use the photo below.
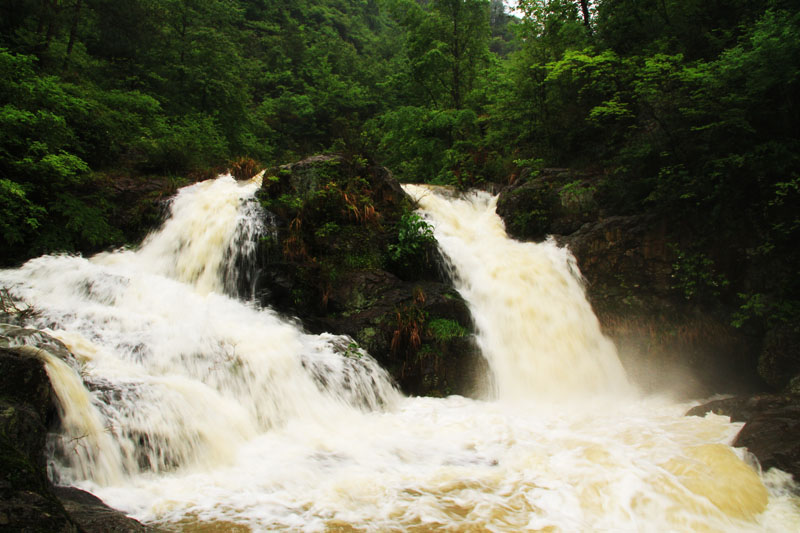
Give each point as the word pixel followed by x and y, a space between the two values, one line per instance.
pixel 528 210
pixel 549 201
pixel 331 267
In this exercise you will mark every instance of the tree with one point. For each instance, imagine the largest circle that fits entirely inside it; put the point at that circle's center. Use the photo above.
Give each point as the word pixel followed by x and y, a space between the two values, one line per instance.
pixel 530 108
pixel 447 48
pixel 46 197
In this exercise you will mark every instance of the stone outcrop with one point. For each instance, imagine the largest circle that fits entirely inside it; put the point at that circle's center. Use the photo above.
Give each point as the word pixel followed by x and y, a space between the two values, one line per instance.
pixel 330 265
pixel 772 427
pixel 28 501
pixel 554 201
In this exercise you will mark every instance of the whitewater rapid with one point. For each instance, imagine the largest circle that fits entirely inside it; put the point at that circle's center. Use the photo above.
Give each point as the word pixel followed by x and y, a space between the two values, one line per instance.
pixel 192 409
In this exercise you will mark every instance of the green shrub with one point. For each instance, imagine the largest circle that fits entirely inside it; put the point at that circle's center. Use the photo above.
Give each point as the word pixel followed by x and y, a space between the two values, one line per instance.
pixel 414 237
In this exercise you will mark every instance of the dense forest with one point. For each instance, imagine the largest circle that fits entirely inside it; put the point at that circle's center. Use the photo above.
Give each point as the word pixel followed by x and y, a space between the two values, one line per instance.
pixel 685 109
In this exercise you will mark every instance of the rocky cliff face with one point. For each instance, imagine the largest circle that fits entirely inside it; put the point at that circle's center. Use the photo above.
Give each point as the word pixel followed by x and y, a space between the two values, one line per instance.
pixel 651 298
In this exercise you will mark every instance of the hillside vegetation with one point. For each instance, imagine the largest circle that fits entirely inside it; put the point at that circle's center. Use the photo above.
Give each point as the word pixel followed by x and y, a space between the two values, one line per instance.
pixel 683 109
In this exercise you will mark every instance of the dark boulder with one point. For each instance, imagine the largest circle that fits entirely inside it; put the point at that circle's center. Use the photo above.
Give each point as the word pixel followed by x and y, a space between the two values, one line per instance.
pixel 94 516
pixel 549 201
pixel 137 203
pixel 27 502
pixel 419 331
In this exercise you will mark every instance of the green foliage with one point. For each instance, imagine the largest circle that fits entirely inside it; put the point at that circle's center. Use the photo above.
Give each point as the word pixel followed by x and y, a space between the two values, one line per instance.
pixel 327 229
pixel 428 145
pixel 695 275
pixel 46 195
pixel 183 144
pixel 435 132
pixel 577 194
pixel 767 310
pixel 447 48
pixel 685 107
pixel 354 351
pixel 18 215
pixel 414 239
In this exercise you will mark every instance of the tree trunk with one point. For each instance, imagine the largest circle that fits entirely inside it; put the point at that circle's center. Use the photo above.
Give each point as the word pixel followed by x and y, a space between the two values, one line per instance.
pixel 585 11
pixel 51 26
pixel 456 51
pixel 73 31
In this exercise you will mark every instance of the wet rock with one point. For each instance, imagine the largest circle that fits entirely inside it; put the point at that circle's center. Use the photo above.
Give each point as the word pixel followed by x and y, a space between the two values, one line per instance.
pixel 29 341
pixel 28 502
pixel 383 314
pixel 666 341
pixel 550 201
pixel 24 380
pixel 623 256
pixel 94 516
pixel 138 203
pixel 772 427
pixel 24 511
pixel 528 209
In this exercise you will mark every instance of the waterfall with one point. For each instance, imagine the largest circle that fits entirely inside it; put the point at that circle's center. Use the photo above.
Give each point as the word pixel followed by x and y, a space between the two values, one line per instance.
pixel 185 405
pixel 172 370
pixel 535 326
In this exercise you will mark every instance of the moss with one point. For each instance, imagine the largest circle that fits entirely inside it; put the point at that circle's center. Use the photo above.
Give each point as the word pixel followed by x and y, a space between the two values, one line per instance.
pixel 364 261
pixel 366 335
pixel 445 329
pixel 428 351
pixel 358 301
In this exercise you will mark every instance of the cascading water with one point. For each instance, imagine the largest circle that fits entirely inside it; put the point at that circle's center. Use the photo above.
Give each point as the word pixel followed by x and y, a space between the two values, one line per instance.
pixel 171 372
pixel 197 412
pixel 535 326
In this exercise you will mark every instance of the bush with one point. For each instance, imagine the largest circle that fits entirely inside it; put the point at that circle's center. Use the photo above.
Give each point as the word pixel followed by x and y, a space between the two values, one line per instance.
pixel 186 143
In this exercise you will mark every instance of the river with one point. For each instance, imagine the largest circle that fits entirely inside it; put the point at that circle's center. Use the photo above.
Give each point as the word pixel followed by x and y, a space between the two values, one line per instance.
pixel 194 410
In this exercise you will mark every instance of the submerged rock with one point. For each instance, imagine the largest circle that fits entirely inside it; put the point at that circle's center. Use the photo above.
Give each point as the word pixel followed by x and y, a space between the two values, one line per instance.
pixel 772 427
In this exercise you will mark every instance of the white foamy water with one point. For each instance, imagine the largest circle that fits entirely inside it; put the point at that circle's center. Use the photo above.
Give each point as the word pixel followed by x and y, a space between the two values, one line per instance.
pixel 196 411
